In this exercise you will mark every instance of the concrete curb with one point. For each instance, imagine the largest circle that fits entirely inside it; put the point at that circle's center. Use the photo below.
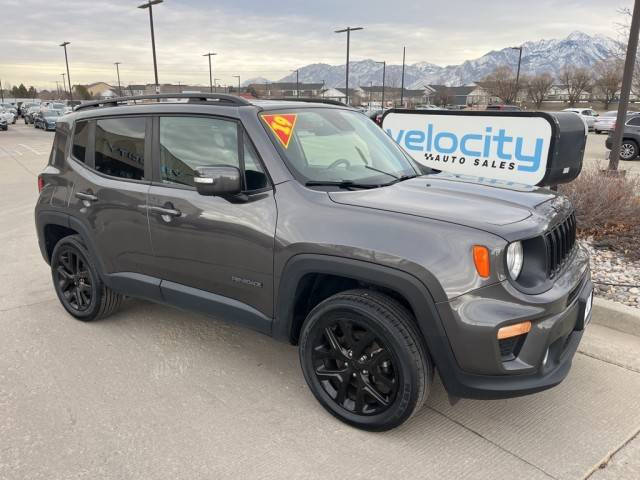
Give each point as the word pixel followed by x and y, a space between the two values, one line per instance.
pixel 616 316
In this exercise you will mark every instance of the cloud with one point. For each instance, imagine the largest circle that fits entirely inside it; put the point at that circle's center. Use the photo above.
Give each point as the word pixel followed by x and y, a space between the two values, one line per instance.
pixel 257 38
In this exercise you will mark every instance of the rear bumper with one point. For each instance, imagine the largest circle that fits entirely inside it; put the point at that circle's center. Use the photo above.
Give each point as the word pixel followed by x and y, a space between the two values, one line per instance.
pixel 540 359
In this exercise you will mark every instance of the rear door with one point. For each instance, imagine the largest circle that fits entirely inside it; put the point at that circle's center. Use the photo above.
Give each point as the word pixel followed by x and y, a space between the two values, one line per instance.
pixel 111 175
pixel 223 246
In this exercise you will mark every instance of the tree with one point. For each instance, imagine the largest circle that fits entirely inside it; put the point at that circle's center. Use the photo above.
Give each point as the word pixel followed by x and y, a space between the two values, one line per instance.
pixel 538 87
pixel 32 92
pixel 443 97
pixel 608 79
pixel 82 92
pixel 501 83
pixel 577 80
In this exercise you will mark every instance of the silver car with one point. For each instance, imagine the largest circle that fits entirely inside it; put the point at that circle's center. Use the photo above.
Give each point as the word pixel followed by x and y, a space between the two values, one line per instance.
pixel 605 122
pixel 588 115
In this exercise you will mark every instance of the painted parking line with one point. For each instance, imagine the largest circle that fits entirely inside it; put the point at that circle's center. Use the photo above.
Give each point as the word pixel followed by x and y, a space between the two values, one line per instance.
pixel 33 150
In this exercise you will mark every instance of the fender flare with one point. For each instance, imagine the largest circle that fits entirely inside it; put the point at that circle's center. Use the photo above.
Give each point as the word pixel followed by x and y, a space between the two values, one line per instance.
pixel 50 217
pixel 411 288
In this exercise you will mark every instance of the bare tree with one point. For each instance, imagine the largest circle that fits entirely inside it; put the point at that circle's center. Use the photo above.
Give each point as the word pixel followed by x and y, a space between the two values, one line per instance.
pixel 538 87
pixel 443 97
pixel 577 80
pixel 621 51
pixel 608 80
pixel 501 83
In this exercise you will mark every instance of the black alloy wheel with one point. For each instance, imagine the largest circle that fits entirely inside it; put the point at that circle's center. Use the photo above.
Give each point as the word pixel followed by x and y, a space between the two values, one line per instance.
pixel 354 367
pixel 78 284
pixel 73 279
pixel 364 360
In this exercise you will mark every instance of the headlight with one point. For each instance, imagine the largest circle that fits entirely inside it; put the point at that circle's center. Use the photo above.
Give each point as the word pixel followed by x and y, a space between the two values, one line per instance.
pixel 515 259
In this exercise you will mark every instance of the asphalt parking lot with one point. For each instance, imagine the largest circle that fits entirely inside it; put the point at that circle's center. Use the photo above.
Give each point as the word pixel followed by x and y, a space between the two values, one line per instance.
pixel 156 393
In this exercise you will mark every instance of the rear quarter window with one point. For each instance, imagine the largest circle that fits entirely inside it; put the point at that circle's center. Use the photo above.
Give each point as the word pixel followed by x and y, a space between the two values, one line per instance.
pixel 80 141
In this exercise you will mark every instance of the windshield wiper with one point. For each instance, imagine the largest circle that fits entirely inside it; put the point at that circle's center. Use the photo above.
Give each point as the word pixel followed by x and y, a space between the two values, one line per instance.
pixel 340 184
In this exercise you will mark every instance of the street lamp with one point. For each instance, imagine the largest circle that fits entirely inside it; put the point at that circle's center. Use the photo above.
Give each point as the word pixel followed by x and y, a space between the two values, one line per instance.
pixel 66 60
pixel 150 5
pixel 384 71
pixel 215 84
pixel 117 64
pixel 348 30
pixel 518 72
pixel 238 77
pixel 297 83
pixel 64 87
pixel 210 54
pixel 404 51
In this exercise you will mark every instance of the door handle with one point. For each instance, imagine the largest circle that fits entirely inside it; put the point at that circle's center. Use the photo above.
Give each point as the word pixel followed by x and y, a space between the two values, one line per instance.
pixel 172 212
pixel 86 196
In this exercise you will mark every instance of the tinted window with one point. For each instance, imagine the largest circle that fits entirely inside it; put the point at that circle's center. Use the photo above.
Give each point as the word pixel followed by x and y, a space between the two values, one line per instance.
pixel 80 141
pixel 190 142
pixel 634 121
pixel 59 143
pixel 120 147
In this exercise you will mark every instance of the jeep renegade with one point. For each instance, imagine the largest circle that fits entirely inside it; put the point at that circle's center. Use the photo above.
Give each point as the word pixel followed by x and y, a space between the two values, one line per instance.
pixel 305 221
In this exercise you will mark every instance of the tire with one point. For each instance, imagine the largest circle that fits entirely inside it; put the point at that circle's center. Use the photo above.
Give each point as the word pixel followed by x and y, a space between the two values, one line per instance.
pixel 78 285
pixel 597 132
pixel 378 373
pixel 628 150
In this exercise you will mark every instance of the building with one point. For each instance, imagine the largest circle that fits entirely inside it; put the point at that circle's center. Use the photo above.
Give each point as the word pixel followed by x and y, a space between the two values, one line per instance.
pixel 102 90
pixel 286 89
pixel 473 95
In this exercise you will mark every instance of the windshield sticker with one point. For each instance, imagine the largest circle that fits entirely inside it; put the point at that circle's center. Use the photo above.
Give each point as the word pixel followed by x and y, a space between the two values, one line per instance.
pixel 282 126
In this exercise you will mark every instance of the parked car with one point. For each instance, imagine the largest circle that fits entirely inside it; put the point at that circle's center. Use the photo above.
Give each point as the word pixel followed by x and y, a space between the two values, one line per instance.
pixel 427 107
pixel 8 107
pixel 24 108
pixel 606 121
pixel 7 116
pixel 4 125
pixel 630 138
pixel 46 119
pixel 30 114
pixel 588 115
pixel 504 108
pixel 378 272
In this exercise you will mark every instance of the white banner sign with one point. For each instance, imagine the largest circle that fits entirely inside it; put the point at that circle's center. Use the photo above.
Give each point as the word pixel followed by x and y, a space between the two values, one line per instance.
pixel 502 147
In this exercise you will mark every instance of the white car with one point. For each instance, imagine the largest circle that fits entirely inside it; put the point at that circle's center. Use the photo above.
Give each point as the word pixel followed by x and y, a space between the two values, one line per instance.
pixel 7 116
pixel 588 115
pixel 605 122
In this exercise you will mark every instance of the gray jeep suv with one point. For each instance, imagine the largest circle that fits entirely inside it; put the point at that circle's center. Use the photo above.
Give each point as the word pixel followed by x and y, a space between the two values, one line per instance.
pixel 305 221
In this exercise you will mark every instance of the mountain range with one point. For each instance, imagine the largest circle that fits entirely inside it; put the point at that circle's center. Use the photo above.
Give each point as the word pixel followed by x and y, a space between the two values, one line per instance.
pixel 578 49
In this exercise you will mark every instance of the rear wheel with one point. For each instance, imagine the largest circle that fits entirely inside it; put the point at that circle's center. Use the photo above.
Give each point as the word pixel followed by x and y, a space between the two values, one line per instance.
pixel 77 283
pixel 364 360
pixel 628 150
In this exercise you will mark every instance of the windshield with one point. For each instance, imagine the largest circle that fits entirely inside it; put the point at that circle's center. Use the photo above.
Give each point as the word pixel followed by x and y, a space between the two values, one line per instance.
pixel 51 113
pixel 335 145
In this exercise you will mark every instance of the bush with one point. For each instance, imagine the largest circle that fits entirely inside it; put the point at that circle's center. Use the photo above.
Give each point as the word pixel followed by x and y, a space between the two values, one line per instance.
pixel 604 203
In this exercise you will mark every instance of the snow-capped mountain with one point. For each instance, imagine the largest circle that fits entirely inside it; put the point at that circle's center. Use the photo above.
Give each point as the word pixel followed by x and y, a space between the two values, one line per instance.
pixel 541 56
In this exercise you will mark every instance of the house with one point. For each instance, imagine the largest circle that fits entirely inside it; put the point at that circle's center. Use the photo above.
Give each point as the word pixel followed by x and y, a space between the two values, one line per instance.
pixel 286 89
pixel 334 94
pixel 102 90
pixel 464 95
pixel 560 93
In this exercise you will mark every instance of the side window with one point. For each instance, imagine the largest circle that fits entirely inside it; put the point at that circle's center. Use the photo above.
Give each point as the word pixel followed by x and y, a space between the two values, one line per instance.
pixel 190 142
pixel 634 121
pixel 59 144
pixel 119 147
pixel 80 141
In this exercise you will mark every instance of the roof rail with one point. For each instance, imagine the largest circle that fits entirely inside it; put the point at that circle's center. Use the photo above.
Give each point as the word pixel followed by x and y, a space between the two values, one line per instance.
pixel 191 97
pixel 308 100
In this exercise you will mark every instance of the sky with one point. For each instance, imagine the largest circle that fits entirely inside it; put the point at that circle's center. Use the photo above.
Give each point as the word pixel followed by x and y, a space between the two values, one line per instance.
pixel 258 38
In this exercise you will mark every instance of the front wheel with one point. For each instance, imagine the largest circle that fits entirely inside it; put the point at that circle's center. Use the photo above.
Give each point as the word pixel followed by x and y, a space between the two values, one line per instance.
pixel 628 150
pixel 364 360
pixel 77 283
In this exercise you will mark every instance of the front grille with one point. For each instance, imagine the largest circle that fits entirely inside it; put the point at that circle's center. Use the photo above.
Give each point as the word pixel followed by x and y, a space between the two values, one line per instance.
pixel 559 242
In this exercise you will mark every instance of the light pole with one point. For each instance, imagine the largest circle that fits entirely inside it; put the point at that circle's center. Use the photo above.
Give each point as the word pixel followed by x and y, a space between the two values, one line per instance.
pixel 150 5
pixel 1 92
pixel 117 64
pixel 215 84
pixel 323 89
pixel 64 87
pixel 384 71
pixel 297 83
pixel 238 77
pixel 370 91
pixel 58 88
pixel 518 71
pixel 348 30
pixel 210 54
pixel 66 60
pixel 625 90
pixel 404 51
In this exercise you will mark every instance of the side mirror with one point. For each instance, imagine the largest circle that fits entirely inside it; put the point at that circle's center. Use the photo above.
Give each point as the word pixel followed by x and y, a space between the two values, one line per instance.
pixel 218 181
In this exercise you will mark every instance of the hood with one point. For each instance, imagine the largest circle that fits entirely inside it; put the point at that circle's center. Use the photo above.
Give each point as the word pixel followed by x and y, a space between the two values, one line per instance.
pixel 462 200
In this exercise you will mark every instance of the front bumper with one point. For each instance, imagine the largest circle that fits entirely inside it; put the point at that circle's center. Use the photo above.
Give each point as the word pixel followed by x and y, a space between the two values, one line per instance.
pixel 481 368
